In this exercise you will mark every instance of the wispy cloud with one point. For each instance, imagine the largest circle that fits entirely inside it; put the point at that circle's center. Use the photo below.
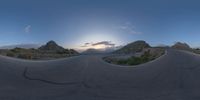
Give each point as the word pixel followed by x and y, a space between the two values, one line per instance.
pixel 129 28
pixel 86 45
pixel 27 29
pixel 105 43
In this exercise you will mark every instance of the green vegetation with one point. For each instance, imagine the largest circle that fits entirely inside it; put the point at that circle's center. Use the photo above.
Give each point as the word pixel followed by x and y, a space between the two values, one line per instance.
pixel 145 57
pixel 25 56
pixel 196 50
pixel 49 51
pixel 10 54
pixel 133 47
pixel 38 54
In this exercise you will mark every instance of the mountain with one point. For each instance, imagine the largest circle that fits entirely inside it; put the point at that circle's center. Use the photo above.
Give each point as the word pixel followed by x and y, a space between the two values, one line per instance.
pixel 51 46
pixel 26 46
pixel 133 47
pixel 48 51
pixel 181 46
pixel 71 51
pixel 92 51
pixel 99 51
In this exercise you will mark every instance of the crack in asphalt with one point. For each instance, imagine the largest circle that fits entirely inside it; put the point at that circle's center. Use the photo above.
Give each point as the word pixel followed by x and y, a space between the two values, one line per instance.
pixel 82 83
pixel 87 80
pixel 47 81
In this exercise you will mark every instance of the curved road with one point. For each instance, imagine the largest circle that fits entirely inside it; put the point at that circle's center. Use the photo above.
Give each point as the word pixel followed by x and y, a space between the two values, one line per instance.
pixel 174 76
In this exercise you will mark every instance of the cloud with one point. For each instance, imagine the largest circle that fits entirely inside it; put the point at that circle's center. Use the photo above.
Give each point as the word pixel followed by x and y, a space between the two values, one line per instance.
pixel 129 28
pixel 86 45
pixel 27 46
pixel 27 29
pixel 103 46
pixel 105 43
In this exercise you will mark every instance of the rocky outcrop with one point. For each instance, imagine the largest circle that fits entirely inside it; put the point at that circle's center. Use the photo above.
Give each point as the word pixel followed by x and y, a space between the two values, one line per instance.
pixel 48 51
pixel 181 46
pixel 134 47
pixel 51 46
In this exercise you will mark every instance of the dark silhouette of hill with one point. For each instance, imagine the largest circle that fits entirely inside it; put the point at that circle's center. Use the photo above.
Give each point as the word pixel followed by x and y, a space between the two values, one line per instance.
pixel 51 46
pixel 135 53
pixel 181 46
pixel 92 51
pixel 25 46
pixel 133 47
pixel 48 51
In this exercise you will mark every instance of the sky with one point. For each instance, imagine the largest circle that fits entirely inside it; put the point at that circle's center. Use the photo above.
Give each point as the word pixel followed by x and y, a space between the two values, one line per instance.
pixel 84 24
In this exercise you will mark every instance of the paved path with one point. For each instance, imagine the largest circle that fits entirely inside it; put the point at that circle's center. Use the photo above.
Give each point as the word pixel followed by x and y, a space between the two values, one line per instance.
pixel 174 76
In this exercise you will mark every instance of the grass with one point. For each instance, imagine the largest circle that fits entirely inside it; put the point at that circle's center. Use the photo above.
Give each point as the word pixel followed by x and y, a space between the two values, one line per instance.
pixel 145 57
pixel 34 54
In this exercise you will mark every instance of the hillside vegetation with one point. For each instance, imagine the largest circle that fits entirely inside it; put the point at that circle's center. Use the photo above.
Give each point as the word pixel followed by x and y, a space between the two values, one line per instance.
pixel 49 51
pixel 133 47
pixel 135 53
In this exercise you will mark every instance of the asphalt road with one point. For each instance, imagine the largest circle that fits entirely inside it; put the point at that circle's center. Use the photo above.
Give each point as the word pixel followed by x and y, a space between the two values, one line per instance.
pixel 174 76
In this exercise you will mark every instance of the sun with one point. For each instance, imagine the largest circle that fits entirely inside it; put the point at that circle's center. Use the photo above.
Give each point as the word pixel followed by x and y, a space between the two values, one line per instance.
pixel 95 47
pixel 99 47
pixel 95 36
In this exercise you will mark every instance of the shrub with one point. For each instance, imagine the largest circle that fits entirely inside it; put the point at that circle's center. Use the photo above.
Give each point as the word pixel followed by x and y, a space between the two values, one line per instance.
pixel 134 61
pixel 16 50
pixel 122 62
pixel 60 52
pixel 25 56
pixel 10 54
pixel 137 60
pixel 146 56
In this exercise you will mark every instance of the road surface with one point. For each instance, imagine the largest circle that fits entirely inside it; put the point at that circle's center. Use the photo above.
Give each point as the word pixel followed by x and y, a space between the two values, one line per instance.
pixel 174 76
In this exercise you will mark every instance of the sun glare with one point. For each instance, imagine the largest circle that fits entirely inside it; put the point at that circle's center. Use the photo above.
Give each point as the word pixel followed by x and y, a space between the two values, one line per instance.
pixel 93 37
pixel 99 47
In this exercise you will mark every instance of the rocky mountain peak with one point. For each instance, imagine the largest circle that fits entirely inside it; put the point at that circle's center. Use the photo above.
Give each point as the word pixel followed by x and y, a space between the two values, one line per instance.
pixel 52 46
pixel 181 46
pixel 133 47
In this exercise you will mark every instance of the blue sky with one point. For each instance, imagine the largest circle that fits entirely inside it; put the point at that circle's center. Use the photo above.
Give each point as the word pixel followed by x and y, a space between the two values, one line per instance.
pixel 72 23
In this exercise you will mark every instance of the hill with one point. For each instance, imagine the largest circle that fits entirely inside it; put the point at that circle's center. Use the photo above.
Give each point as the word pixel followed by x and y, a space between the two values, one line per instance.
pixel 92 51
pixel 133 47
pixel 181 46
pixel 135 53
pixel 51 46
pixel 48 51
pixel 26 46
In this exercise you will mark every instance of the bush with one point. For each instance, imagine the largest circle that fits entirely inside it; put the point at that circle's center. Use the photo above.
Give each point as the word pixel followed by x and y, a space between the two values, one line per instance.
pixel 122 62
pixel 10 54
pixel 16 50
pixel 25 56
pixel 146 56
pixel 137 60
pixel 60 52
pixel 134 61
